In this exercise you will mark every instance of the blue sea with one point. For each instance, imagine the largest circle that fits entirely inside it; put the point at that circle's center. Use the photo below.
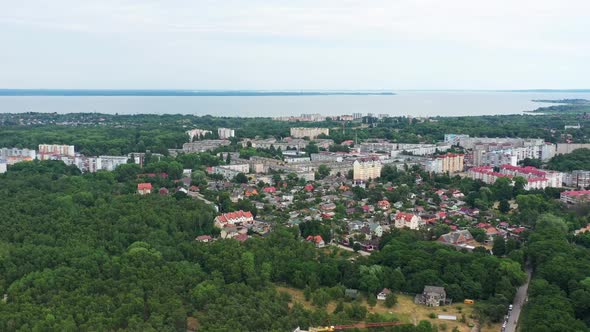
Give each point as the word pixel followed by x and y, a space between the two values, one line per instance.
pixel 267 104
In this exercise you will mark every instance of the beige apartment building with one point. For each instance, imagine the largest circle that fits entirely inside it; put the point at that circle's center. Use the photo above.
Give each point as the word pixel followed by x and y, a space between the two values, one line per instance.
pixel 312 133
pixel 367 168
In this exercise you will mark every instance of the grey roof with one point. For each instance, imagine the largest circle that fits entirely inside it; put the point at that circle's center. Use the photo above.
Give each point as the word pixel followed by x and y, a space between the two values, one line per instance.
pixel 434 289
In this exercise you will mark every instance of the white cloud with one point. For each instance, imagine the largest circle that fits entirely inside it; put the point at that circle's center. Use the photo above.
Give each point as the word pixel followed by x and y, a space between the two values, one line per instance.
pixel 466 34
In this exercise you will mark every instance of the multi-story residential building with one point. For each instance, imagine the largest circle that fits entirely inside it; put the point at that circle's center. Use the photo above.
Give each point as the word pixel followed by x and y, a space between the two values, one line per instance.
pixel 225 133
pixel 454 138
pixel 204 145
pixel 14 155
pixel 327 156
pixel 494 158
pixel 197 133
pixel 53 151
pixel 294 143
pixel 486 174
pixel 230 171
pixel 575 196
pixel 446 163
pixel 579 179
pixel 357 116
pixel 109 163
pixel 301 132
pixel 537 179
pixel 3 166
pixel 366 168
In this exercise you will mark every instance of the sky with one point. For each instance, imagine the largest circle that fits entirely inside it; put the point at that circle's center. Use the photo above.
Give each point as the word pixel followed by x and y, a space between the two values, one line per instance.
pixel 295 44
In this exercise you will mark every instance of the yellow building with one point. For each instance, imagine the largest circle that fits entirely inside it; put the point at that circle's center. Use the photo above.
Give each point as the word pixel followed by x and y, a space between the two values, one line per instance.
pixel 367 168
pixel 448 163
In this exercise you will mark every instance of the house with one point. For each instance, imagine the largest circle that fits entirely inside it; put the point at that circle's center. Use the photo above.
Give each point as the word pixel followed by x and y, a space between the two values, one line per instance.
pixel 407 220
pixel 432 296
pixel 237 218
pixel 384 204
pixel 382 296
pixel 308 187
pixel 317 240
pixel 144 188
pixel 270 190
pixel 458 237
pixel 376 229
pixel 204 238
pixel 251 192
pixel 163 191
pixel 328 207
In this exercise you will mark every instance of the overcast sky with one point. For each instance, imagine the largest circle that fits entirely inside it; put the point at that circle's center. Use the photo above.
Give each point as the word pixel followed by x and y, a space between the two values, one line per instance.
pixel 295 44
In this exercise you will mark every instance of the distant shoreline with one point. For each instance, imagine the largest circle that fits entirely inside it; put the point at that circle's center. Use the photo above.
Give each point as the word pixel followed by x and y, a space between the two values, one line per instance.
pixel 179 93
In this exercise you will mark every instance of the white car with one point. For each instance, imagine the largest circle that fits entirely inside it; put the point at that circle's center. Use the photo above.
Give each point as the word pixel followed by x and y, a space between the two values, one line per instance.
pixel 510 307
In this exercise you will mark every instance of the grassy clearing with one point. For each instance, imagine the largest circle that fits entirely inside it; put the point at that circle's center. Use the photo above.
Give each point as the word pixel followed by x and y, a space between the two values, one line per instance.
pixel 406 311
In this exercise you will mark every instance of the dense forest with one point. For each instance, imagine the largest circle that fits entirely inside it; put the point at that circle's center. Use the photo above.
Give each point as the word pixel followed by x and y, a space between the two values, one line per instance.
pixel 559 294
pixel 579 159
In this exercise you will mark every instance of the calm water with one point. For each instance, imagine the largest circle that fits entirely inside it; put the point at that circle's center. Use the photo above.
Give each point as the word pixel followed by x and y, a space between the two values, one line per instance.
pixel 415 103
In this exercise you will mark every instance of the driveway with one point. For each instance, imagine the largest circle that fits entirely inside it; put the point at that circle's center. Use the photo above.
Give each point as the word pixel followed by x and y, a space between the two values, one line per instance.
pixel 361 252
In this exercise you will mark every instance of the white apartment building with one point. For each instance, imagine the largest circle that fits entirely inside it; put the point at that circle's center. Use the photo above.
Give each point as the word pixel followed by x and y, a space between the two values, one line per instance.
pixel 197 133
pixel 109 163
pixel 537 179
pixel 3 166
pixel 230 171
pixel 579 179
pixel 225 133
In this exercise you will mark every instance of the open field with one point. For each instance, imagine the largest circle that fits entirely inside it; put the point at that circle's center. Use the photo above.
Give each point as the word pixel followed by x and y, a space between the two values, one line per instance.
pixel 406 311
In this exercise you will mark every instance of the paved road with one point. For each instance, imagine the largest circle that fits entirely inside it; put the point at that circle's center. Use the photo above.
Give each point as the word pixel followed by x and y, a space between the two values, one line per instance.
pixel 519 300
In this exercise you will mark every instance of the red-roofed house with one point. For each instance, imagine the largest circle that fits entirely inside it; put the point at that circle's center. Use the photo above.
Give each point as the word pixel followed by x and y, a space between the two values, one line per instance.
pixel 270 189
pixel 237 218
pixel 407 220
pixel 317 240
pixel 384 204
pixel 144 188
pixel 309 187
pixel 163 191
pixel 204 238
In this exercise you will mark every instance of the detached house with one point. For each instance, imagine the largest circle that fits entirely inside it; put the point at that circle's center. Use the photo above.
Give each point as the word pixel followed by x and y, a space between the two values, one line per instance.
pixel 382 296
pixel 432 296
pixel 317 240
pixel 407 220
pixel 458 237
pixel 144 188
pixel 384 205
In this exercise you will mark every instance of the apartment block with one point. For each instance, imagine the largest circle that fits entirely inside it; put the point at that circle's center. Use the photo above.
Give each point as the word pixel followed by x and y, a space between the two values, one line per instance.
pixel 366 169
pixel 301 132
